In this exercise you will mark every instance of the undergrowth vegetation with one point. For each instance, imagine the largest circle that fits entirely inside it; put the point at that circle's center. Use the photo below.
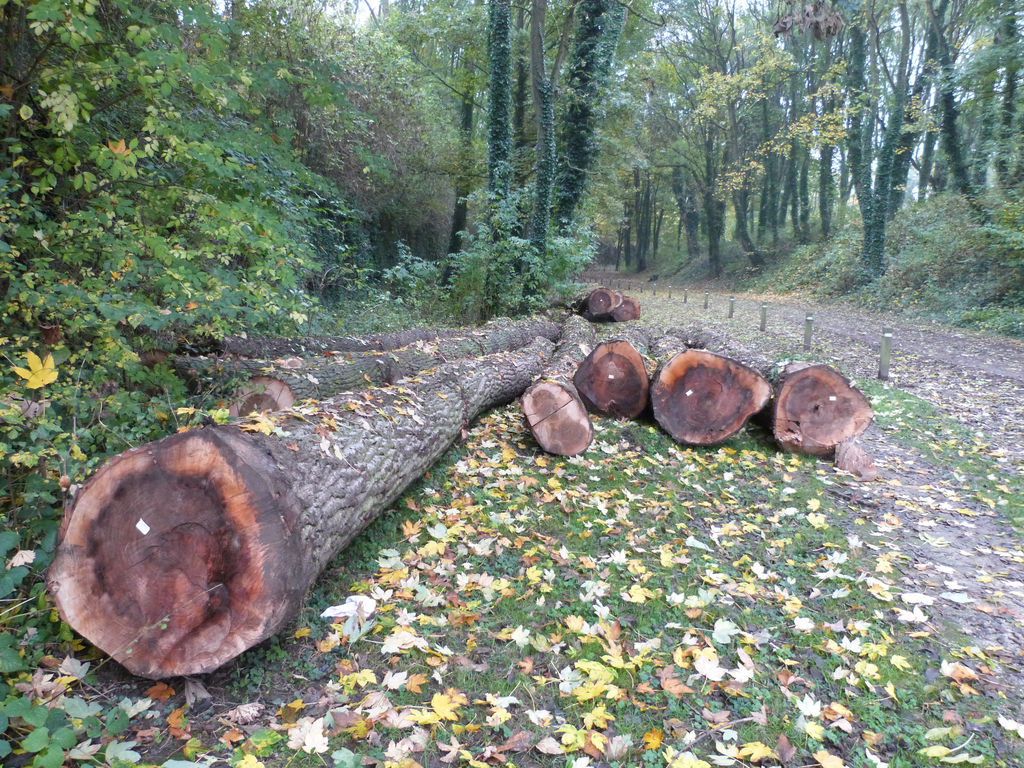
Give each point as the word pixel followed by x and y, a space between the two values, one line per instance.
pixel 943 261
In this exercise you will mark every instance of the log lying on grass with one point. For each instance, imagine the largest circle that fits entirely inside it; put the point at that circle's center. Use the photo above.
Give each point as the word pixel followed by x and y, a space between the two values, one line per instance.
pixel 613 380
pixel 263 347
pixel 816 408
pixel 602 301
pixel 702 398
pixel 628 309
pixel 275 384
pixel 180 554
pixel 554 411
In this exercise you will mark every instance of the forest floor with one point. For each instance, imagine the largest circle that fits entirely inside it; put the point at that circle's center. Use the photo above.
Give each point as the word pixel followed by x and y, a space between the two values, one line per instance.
pixel 650 604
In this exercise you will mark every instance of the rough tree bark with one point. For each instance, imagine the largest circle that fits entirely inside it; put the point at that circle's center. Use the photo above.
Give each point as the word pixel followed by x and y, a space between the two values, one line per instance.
pixel 179 555
pixel 554 411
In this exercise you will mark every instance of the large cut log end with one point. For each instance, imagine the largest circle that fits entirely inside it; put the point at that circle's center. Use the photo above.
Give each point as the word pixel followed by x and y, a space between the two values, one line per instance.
pixel 817 408
pixel 628 310
pixel 613 379
pixel 179 555
pixel 702 398
pixel 557 418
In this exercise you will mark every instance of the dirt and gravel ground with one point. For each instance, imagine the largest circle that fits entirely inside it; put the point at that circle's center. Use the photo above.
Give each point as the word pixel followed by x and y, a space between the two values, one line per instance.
pixel 953 545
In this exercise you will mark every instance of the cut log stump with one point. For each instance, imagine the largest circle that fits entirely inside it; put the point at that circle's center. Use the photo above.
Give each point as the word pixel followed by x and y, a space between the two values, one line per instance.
pixel 702 398
pixel 602 301
pixel 179 555
pixel 613 380
pixel 816 408
pixel 851 457
pixel 554 411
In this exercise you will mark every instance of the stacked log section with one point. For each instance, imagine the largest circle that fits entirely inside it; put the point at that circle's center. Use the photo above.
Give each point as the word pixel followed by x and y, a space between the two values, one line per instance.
pixel 816 408
pixel 613 380
pixel 554 411
pixel 701 398
pixel 262 347
pixel 276 384
pixel 179 555
pixel 628 310
pixel 602 301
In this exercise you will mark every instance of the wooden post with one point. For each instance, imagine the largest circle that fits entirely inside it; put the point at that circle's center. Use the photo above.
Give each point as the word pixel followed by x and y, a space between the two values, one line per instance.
pixel 706 294
pixel 884 354
pixel 764 317
pixel 732 305
pixel 808 327
pixel 686 294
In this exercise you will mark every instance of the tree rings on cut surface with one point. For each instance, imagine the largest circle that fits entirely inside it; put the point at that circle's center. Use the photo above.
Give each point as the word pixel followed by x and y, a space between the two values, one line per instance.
pixel 816 408
pixel 557 418
pixel 180 554
pixel 702 398
pixel 613 379
pixel 602 301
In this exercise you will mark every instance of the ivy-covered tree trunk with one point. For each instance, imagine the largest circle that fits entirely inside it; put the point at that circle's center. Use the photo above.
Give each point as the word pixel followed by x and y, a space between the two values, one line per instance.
pixel 462 181
pixel 1009 39
pixel 499 129
pixel 597 35
pixel 949 128
pixel 543 100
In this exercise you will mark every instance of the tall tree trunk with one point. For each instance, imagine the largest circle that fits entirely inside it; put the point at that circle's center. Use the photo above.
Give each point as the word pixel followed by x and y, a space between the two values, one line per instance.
pixel 179 555
pixel 1009 40
pixel 805 197
pixel 950 128
pixel 927 163
pixel 714 216
pixel 740 204
pixel 499 130
pixel 600 24
pixel 792 180
pixel 826 190
pixel 462 181
pixel 543 99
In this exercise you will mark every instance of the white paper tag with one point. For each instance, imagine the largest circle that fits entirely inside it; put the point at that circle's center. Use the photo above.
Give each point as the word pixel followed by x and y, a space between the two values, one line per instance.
pixel 611 375
pixel 143 528
pixel 831 398
pixel 689 392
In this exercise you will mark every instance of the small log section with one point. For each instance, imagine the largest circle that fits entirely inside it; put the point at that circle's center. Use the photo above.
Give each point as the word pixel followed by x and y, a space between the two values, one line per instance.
pixel 816 408
pixel 554 411
pixel 851 457
pixel 613 380
pixel 702 398
pixel 628 310
pixel 602 301
pixel 275 385
pixel 179 555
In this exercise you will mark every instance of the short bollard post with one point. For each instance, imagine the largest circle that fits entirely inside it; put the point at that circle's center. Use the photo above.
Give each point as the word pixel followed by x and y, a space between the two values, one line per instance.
pixel 884 354
pixel 686 294
pixel 706 294
pixel 732 305
pixel 764 317
pixel 808 327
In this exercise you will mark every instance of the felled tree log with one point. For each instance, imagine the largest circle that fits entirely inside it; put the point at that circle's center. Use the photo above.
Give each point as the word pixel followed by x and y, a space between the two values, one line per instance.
pixel 306 346
pixel 628 310
pixel 179 555
pixel 702 398
pixel 276 384
pixel 816 408
pixel 613 379
pixel 554 411
pixel 851 457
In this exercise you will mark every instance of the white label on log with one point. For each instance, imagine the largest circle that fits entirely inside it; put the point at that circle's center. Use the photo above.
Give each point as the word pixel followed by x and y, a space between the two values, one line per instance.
pixel 831 398
pixel 689 392
pixel 143 528
pixel 611 375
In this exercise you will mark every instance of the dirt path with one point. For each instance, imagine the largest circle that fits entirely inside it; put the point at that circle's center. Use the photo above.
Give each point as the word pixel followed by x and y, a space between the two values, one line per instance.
pixel 958 559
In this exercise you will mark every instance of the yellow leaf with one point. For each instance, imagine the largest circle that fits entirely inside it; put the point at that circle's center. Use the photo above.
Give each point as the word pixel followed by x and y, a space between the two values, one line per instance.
pixel 936 750
pixel 119 148
pixel 415 682
pixel 815 730
pixel 756 751
pixel 302 632
pixel 249 761
pixel 39 373
pixel 445 708
pixel 653 739
pixel 827 760
pixel 814 505
pixel 900 662
pixel 598 717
